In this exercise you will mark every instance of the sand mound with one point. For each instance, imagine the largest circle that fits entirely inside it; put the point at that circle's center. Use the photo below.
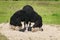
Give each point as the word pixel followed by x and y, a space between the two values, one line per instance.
pixel 51 32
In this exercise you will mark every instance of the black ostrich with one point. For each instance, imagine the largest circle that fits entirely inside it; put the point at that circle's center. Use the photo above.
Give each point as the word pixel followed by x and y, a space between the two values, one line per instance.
pixel 27 14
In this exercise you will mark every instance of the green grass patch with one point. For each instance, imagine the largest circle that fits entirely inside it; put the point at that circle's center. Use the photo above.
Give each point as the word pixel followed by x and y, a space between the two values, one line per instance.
pixel 2 37
pixel 50 11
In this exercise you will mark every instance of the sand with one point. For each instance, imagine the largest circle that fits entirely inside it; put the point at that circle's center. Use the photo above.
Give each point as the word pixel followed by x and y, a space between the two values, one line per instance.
pixel 50 32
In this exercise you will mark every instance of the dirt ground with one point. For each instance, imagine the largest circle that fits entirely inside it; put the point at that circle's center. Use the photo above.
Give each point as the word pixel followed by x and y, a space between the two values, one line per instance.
pixel 51 32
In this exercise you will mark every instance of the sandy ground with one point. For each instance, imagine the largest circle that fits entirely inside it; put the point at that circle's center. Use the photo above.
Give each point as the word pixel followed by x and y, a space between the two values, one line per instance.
pixel 51 32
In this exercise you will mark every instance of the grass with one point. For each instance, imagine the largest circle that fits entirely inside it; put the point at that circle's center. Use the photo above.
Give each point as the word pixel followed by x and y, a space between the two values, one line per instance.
pixel 2 37
pixel 50 11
